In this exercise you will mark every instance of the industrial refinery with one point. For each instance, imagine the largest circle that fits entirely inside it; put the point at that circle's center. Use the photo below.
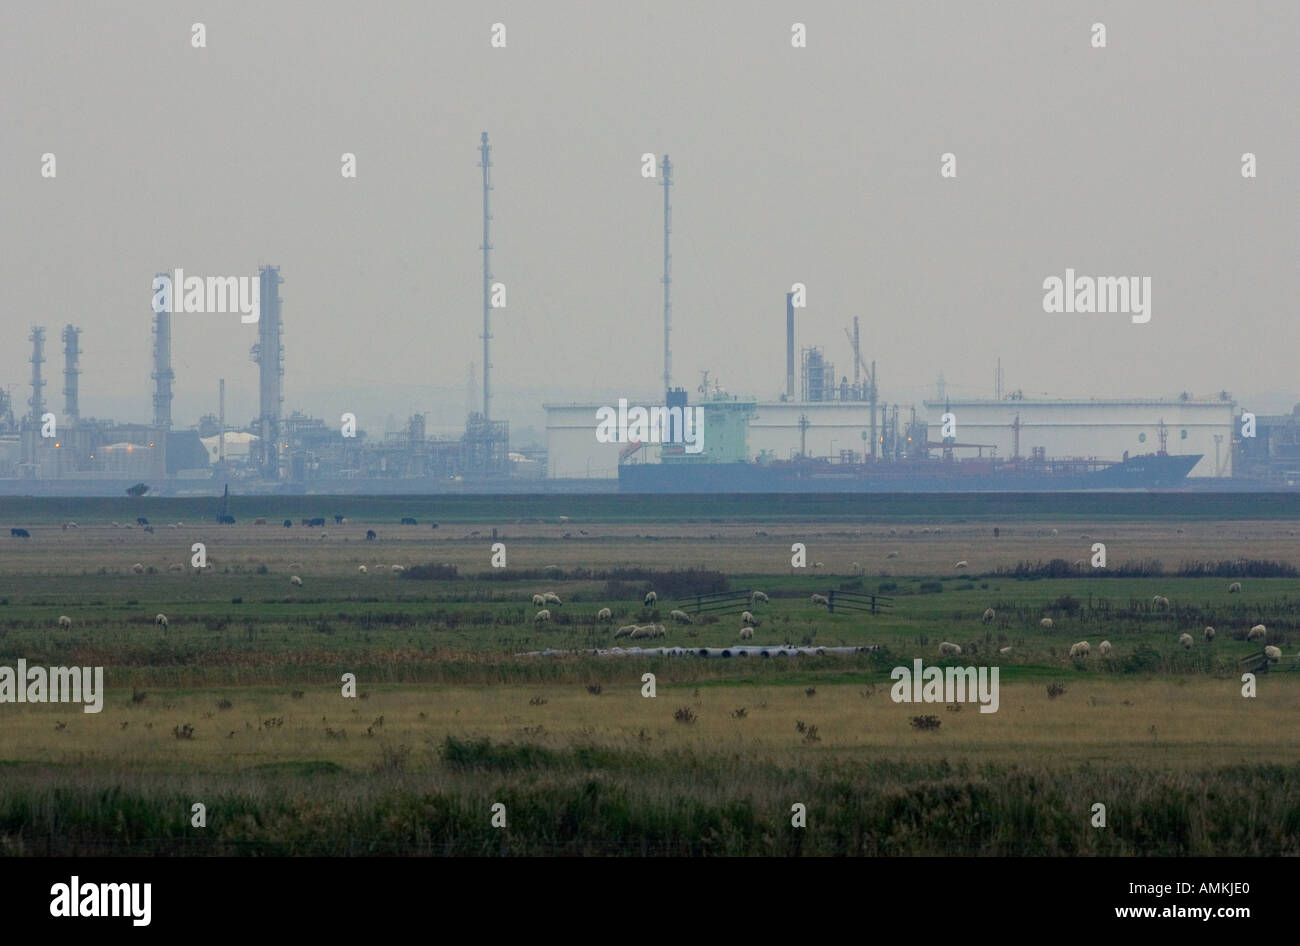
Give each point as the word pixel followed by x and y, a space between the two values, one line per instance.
pixel 824 432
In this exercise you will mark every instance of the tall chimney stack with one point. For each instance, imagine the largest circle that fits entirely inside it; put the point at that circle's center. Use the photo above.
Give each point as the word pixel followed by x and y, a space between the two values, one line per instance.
pixel 789 345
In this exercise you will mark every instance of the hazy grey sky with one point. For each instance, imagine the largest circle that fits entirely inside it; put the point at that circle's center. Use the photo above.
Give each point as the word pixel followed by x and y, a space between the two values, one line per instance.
pixel 818 165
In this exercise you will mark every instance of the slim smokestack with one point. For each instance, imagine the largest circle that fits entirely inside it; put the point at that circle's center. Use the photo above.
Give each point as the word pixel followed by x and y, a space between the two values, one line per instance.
pixel 485 162
pixel 269 355
pixel 221 424
pixel 857 354
pixel 71 358
pixel 789 345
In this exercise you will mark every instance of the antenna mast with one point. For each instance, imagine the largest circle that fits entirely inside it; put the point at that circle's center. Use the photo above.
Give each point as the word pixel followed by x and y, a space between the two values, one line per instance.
pixel 668 279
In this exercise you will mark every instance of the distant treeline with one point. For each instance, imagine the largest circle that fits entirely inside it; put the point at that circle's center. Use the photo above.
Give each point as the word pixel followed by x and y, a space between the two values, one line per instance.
pixel 1151 568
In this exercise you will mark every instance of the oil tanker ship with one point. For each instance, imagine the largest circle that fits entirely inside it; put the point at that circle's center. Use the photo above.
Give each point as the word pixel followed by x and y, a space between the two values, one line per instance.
pixel 723 466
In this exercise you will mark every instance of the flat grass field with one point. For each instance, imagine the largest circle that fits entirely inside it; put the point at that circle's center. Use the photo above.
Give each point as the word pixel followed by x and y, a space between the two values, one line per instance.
pixel 237 703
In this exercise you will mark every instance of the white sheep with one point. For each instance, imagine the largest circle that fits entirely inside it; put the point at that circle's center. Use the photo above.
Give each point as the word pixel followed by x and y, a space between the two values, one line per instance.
pixel 1209 633
pixel 746 633
pixel 1257 633
pixel 604 614
pixel 962 564
pixel 1104 647
pixel 891 555
pixel 362 569
pixel 1046 624
pixel 747 618
pixel 65 621
pixel 1274 654
pixel 1081 649
pixel 756 597
pixel 541 616
pixel 1185 640
pixel 1234 588
pixel 171 525
pixel 176 567
pixel 1054 532
pixel 624 631
pixel 650 598
pixel 681 617
pixel 138 568
pixel 161 620
pixel 539 600
pixel 648 630
pixel 1004 650
pixel 989 615
pixel 819 564
pixel 1159 601
pixel 551 598
pixel 949 649
pixel 398 569
pixel 295 580
pixel 821 599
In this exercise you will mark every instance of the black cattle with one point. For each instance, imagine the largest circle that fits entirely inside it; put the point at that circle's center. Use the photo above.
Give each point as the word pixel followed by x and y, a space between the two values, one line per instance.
pixel 141 521
pixel 288 523
pixel 338 518
pixel 317 522
pixel 408 521
pixel 435 525
pixel 20 533
pixel 228 520
pixel 370 535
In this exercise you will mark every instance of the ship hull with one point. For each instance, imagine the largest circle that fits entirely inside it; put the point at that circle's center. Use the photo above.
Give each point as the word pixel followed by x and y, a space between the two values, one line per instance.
pixel 904 476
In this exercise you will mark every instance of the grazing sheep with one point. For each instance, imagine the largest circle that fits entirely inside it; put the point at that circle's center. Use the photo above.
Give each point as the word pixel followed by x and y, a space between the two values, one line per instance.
pixel 891 555
pixel 962 564
pixel 1274 654
pixel 1185 640
pixel 1104 647
pixel 681 617
pixel 624 631
pixel 756 597
pixel 650 598
pixel 1046 624
pixel 949 649
pixel 539 600
pixel 1004 650
pixel 989 615
pixel 1257 633
pixel 746 633
pixel 295 580
pixel 138 568
pixel 551 598
pixel 1209 633
pixel 747 618
pixel 65 621
pixel 171 525
pixel 1234 588
pixel 399 568
pixel 821 599
pixel 542 615
pixel 361 569
pixel 604 614
pixel 176 567
pixel 1054 532
pixel 1081 649
pixel 1160 601
pixel 161 620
